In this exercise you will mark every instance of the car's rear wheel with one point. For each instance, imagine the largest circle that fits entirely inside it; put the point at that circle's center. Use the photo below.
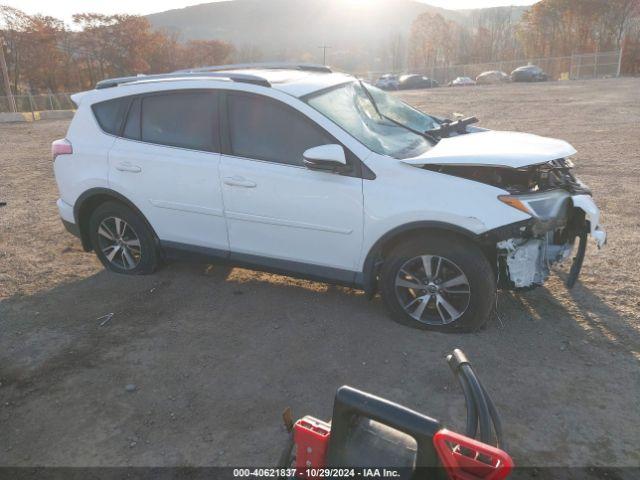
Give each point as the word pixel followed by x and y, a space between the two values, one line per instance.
pixel 438 282
pixel 122 240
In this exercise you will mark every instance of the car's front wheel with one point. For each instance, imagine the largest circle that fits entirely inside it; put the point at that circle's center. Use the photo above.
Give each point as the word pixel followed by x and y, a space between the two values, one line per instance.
pixel 438 282
pixel 122 240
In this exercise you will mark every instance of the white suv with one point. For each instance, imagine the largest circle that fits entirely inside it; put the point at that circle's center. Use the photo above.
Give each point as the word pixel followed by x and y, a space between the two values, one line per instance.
pixel 302 171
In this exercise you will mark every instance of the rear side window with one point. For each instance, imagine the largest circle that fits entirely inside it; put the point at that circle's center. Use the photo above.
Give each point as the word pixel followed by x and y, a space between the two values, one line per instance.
pixel 110 114
pixel 180 119
pixel 265 129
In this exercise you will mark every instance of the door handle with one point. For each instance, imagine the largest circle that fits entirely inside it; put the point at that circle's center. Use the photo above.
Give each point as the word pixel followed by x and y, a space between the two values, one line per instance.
pixel 236 181
pixel 128 167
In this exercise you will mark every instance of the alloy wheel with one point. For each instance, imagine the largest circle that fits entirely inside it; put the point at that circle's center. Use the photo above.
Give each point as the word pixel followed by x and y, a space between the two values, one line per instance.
pixel 119 243
pixel 432 289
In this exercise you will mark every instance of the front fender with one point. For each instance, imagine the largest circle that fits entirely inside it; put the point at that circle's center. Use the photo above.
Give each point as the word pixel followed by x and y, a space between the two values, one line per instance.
pixel 370 263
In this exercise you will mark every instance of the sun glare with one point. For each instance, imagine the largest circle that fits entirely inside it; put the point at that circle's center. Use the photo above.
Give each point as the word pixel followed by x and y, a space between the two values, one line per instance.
pixel 358 3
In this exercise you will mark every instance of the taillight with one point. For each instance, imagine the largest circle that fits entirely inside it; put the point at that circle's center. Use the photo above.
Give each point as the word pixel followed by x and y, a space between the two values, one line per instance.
pixel 61 147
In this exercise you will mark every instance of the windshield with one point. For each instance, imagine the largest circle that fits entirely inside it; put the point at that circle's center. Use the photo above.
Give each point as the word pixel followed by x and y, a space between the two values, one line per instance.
pixel 398 111
pixel 350 106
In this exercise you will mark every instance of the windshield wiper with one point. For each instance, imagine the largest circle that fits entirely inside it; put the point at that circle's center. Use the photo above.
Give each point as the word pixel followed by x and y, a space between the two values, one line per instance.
pixel 447 127
pixel 426 134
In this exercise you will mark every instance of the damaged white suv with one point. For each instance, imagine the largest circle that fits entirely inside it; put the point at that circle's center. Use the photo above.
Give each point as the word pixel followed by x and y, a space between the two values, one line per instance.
pixel 302 171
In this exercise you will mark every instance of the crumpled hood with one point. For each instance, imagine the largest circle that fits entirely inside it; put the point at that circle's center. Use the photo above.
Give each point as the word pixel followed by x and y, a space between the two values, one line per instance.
pixel 494 148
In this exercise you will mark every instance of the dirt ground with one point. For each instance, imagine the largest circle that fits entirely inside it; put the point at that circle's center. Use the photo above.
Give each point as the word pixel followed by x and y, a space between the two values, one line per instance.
pixel 215 354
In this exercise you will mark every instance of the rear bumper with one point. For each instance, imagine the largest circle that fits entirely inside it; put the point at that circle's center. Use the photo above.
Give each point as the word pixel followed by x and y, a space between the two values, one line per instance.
pixel 66 215
pixel 66 211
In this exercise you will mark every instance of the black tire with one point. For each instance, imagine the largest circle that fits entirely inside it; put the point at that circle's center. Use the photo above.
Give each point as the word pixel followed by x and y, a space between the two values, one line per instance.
pixel 146 257
pixel 456 252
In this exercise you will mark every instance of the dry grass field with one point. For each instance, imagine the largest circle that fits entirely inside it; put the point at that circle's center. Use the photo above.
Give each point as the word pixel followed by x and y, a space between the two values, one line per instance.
pixel 215 354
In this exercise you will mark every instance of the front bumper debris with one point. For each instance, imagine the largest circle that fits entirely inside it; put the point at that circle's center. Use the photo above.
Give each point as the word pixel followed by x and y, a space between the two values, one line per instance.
pixel 526 260
pixel 592 214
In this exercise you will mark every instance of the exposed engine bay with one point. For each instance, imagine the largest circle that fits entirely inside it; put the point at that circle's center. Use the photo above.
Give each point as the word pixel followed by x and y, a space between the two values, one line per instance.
pixel 527 263
pixel 562 215
pixel 530 179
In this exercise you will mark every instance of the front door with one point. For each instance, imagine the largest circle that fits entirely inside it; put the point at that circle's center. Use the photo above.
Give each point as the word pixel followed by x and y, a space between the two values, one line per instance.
pixel 278 211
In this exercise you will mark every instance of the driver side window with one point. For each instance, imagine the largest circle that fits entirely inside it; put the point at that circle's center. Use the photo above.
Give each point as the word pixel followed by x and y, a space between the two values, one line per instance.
pixel 263 129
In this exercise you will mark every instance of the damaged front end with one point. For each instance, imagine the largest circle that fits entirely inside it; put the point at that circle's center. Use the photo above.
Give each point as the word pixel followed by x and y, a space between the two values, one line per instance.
pixel 562 214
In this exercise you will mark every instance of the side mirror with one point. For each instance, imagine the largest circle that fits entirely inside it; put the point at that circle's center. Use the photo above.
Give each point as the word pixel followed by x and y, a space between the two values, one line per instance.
pixel 328 158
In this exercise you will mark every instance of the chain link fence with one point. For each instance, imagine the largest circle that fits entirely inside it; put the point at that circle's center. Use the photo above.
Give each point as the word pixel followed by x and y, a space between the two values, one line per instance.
pixel 583 66
pixel 37 103
pixel 604 64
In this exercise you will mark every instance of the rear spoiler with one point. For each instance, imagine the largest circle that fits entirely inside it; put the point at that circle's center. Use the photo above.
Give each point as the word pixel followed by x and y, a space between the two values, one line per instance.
pixel 77 97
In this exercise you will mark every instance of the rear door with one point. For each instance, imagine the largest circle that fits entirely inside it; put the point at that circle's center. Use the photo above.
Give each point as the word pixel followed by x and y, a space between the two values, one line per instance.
pixel 278 211
pixel 167 160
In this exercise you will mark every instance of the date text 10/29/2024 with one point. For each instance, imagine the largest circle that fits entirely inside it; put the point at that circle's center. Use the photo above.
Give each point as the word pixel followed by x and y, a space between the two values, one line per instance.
pixel 316 472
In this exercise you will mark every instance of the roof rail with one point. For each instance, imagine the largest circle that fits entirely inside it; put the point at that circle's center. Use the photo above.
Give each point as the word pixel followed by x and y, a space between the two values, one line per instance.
pixel 311 67
pixel 234 77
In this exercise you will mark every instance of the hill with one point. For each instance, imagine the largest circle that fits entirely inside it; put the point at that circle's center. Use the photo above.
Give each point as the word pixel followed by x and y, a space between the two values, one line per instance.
pixel 357 32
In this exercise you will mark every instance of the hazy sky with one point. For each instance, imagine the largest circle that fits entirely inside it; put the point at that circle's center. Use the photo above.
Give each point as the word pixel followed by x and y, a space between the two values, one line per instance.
pixel 65 8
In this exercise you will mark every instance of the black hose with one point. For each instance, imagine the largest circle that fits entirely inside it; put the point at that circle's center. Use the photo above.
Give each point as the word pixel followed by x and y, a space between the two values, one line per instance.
pixel 495 419
pixel 484 419
pixel 480 408
pixel 472 411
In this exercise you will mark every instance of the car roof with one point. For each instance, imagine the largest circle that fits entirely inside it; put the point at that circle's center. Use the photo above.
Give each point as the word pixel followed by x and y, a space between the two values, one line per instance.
pixel 298 82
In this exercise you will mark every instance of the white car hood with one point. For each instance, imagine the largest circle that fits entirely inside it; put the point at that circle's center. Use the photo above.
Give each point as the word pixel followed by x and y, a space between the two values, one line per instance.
pixel 494 148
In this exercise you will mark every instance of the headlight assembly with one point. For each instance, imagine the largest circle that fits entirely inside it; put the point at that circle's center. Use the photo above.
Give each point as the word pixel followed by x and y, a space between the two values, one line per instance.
pixel 541 205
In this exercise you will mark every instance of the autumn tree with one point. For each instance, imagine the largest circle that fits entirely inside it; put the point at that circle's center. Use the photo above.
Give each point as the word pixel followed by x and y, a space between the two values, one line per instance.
pixel 621 16
pixel 492 35
pixel 42 58
pixel 13 24
pixel 563 27
pixel 392 53
pixel 249 53
pixel 165 52
pixel 45 56
pixel 432 41
pixel 201 53
pixel 114 45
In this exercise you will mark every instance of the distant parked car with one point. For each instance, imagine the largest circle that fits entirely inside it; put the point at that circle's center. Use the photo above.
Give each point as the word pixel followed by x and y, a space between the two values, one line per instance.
pixel 529 73
pixel 462 82
pixel 492 77
pixel 388 82
pixel 412 81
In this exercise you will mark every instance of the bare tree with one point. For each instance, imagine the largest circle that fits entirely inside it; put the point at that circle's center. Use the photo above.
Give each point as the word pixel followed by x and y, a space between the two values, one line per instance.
pixel 396 48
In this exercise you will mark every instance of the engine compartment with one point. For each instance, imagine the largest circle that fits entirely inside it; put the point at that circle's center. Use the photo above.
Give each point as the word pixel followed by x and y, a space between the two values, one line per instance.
pixel 531 179
pixel 524 260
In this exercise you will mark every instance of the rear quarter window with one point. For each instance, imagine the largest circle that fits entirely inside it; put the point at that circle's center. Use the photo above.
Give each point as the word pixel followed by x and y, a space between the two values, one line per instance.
pixel 110 114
